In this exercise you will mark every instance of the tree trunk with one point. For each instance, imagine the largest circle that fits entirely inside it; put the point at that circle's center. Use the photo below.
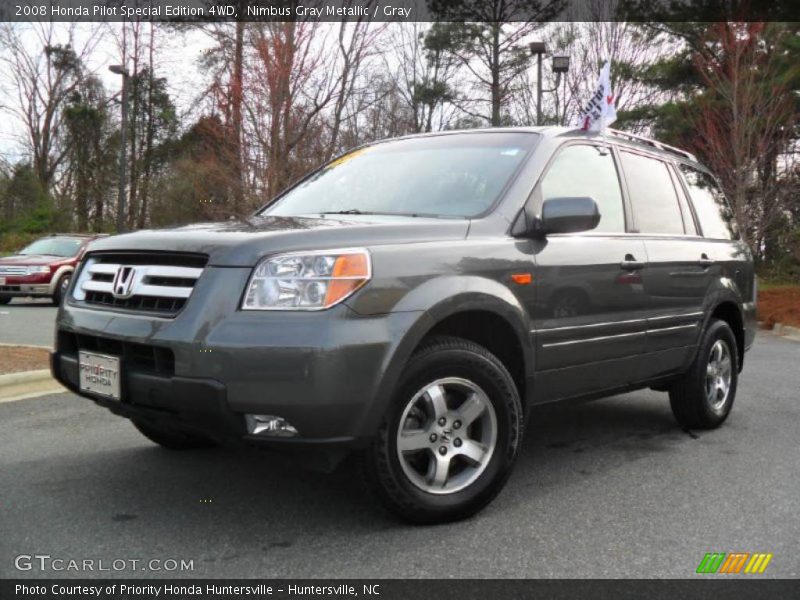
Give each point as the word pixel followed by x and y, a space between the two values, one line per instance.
pixel 236 114
pixel 495 69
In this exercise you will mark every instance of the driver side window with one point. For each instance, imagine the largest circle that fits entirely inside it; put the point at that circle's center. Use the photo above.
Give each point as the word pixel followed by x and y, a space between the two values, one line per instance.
pixel 581 170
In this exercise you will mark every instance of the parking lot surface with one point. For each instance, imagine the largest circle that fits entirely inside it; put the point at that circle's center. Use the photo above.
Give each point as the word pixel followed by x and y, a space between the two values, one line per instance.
pixel 612 488
pixel 27 322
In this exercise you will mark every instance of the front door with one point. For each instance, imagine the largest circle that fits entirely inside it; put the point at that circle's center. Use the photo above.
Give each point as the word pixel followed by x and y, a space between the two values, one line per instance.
pixel 589 308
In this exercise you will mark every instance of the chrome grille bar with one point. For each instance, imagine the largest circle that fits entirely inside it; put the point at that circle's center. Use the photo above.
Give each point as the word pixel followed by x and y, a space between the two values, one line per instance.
pixel 14 271
pixel 143 284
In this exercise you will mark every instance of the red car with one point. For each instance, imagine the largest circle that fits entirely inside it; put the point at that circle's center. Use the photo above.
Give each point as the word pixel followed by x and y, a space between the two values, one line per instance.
pixel 43 268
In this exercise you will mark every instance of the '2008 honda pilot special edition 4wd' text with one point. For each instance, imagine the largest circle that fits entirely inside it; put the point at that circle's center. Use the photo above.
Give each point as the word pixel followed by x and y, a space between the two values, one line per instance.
pixel 413 299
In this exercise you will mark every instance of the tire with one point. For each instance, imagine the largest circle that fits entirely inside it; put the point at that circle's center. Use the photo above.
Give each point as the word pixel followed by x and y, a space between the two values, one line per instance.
pixel 4 300
pixel 172 439
pixel 61 289
pixel 406 483
pixel 698 399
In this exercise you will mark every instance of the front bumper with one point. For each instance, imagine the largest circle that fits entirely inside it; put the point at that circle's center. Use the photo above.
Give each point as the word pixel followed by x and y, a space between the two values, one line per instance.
pixel 33 285
pixel 322 371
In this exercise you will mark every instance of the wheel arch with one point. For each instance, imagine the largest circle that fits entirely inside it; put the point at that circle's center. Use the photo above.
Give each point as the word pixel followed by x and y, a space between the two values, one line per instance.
pixel 470 315
pixel 729 311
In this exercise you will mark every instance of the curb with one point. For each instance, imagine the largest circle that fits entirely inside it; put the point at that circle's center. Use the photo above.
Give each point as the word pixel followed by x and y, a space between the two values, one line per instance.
pixel 27 384
pixel 787 331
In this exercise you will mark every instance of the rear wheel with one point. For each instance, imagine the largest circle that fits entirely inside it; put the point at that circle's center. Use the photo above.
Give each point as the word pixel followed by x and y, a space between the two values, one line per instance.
pixel 5 300
pixel 703 397
pixel 172 438
pixel 451 435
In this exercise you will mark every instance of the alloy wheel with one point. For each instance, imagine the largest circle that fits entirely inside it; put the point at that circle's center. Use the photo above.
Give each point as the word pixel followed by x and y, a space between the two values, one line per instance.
pixel 447 435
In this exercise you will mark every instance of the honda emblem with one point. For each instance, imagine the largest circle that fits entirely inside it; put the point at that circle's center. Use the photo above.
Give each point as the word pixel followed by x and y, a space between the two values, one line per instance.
pixel 124 280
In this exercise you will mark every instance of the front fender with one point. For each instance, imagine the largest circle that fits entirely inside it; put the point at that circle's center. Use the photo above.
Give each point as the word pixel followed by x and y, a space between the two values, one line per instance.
pixel 60 272
pixel 443 297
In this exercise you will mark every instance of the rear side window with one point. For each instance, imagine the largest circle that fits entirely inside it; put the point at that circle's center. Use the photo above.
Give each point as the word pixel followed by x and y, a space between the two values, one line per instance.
pixel 581 170
pixel 653 196
pixel 712 209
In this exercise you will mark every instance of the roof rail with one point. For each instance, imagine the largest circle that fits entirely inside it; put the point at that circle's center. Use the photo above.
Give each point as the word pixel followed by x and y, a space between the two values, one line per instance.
pixel 654 143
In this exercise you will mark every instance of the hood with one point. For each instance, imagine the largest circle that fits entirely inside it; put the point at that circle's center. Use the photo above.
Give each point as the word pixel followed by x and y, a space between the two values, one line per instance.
pixel 243 243
pixel 33 259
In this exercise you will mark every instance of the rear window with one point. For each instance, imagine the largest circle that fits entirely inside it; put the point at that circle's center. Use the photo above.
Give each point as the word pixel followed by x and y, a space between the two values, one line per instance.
pixel 653 196
pixel 713 211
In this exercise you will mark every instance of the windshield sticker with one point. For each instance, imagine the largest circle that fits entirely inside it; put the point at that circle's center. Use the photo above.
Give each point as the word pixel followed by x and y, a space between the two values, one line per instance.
pixel 510 152
pixel 343 159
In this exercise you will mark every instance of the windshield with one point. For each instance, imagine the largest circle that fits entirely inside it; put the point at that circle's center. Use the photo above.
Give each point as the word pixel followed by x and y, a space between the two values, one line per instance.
pixel 66 247
pixel 443 176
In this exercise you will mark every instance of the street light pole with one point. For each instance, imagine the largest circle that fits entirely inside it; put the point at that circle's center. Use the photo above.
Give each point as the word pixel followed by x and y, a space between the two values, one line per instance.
pixel 560 66
pixel 123 163
pixel 539 90
pixel 539 49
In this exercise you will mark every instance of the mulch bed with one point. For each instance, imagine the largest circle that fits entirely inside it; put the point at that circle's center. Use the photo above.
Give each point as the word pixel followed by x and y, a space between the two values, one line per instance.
pixel 779 305
pixel 15 359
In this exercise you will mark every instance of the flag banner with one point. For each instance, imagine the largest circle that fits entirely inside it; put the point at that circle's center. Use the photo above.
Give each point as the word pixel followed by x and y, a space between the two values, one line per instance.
pixel 600 111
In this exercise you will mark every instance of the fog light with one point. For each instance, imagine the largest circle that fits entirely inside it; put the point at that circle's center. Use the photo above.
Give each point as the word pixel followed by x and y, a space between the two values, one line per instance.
pixel 269 425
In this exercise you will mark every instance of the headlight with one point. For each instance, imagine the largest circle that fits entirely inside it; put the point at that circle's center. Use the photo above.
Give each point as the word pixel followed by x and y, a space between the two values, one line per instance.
pixel 307 280
pixel 39 269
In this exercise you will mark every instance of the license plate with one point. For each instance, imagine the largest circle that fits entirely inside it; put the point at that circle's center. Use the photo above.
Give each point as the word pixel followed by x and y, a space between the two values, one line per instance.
pixel 99 374
pixel 2 280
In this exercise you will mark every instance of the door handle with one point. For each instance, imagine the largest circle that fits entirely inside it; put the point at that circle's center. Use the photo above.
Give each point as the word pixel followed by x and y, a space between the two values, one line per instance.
pixel 631 264
pixel 704 261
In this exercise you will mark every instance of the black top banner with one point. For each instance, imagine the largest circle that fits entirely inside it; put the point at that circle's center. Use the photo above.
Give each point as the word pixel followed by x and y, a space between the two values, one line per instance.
pixel 502 11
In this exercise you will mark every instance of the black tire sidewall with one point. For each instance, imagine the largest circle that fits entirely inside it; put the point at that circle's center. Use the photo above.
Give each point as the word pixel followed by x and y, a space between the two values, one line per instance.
pixel 475 366
pixel 693 397
pixel 58 294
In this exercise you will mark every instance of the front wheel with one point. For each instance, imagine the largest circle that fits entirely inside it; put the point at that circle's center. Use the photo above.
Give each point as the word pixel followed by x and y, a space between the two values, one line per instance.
pixel 4 300
pixel 703 397
pixel 61 289
pixel 451 435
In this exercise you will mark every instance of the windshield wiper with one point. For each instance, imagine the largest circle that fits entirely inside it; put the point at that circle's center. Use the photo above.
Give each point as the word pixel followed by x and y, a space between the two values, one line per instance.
pixel 349 211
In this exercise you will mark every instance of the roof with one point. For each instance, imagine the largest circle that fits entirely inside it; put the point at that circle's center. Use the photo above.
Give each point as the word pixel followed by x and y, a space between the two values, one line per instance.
pixel 552 131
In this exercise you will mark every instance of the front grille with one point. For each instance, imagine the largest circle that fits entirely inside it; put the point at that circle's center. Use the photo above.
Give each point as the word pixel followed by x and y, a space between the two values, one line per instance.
pixel 147 282
pixel 137 357
pixel 137 303
pixel 9 288
pixel 14 271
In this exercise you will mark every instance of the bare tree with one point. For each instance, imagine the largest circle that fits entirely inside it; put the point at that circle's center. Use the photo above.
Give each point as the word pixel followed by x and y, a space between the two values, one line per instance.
pixel 744 121
pixel 43 68
pixel 426 74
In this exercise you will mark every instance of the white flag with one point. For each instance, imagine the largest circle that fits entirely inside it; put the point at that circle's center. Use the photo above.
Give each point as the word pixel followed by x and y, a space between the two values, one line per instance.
pixel 600 111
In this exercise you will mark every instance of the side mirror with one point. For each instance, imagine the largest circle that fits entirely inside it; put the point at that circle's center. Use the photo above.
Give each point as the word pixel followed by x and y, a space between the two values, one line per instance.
pixel 568 215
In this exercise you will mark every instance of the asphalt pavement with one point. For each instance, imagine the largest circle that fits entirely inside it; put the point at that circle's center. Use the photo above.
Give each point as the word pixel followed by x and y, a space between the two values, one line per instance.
pixel 612 488
pixel 28 322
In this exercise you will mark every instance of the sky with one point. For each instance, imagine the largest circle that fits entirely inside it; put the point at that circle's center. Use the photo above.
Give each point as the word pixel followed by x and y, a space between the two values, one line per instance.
pixel 177 60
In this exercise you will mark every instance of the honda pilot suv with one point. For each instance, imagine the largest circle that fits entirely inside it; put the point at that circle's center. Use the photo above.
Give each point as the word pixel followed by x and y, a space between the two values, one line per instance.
pixel 412 300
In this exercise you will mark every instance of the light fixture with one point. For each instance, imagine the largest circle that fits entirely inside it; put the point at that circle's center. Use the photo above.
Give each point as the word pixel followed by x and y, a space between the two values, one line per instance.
pixel 538 48
pixel 118 70
pixel 560 64
pixel 269 425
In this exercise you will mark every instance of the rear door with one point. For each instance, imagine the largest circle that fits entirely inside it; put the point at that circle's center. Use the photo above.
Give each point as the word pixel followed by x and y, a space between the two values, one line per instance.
pixel 590 307
pixel 679 269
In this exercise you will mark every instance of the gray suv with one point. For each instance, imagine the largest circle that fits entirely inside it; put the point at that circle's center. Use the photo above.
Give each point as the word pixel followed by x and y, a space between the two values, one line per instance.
pixel 411 301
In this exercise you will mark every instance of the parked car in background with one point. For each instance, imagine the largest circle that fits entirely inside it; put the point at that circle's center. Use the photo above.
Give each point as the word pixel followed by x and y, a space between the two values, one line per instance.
pixel 42 269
